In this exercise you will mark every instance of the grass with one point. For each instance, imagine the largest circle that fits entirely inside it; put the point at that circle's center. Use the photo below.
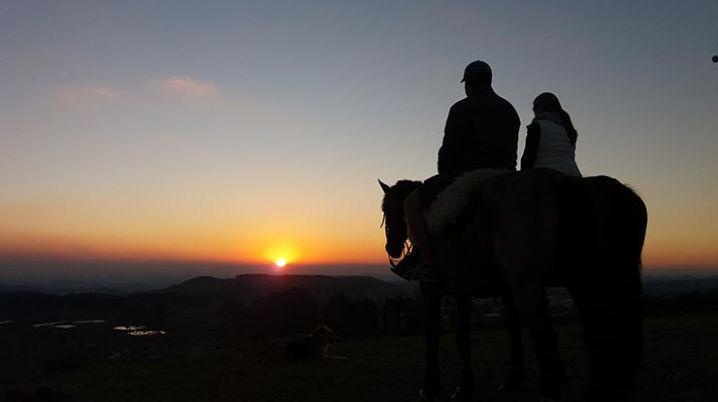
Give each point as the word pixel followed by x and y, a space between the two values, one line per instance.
pixel 681 365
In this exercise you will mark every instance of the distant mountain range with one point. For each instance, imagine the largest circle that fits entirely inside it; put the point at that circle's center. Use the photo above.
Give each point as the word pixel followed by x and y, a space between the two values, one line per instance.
pixel 203 296
pixel 248 287
pixel 75 288
pixel 679 285
pixel 31 303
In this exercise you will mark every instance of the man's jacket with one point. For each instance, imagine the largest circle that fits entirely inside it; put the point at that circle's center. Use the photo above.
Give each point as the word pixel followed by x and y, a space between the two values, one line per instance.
pixel 481 132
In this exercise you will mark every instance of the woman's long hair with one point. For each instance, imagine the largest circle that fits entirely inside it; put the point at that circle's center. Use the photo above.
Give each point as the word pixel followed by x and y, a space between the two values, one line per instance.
pixel 549 103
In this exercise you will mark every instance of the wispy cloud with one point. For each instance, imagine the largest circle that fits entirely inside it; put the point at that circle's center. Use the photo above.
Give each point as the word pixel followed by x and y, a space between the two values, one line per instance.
pixel 186 86
pixel 70 93
pixel 180 86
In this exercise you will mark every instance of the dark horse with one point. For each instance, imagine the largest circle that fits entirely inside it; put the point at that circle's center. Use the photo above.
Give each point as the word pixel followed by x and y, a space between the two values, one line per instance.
pixel 522 232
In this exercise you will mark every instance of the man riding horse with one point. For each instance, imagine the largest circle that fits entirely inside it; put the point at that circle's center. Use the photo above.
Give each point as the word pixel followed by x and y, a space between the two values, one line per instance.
pixel 481 133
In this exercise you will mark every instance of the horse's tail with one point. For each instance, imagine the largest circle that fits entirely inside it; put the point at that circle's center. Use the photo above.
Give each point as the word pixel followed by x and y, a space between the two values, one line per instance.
pixel 630 222
pixel 611 291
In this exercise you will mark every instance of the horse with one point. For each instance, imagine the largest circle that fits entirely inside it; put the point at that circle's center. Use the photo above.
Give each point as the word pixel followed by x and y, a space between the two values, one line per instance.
pixel 524 231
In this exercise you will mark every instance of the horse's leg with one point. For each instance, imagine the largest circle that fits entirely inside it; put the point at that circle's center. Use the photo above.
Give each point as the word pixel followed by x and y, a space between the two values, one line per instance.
pixel 431 294
pixel 513 325
pixel 612 335
pixel 463 342
pixel 596 340
pixel 543 337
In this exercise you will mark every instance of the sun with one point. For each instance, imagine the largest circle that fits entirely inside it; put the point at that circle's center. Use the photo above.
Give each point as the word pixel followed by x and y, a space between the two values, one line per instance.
pixel 281 253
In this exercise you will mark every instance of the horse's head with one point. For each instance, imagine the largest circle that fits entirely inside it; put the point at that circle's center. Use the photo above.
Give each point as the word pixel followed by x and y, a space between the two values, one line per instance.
pixel 393 208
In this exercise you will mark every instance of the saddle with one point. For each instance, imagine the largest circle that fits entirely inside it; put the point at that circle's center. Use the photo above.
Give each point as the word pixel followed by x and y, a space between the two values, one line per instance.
pixel 453 201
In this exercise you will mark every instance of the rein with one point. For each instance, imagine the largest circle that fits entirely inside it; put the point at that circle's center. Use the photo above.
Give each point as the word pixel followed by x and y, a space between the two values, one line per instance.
pixel 394 261
pixel 405 188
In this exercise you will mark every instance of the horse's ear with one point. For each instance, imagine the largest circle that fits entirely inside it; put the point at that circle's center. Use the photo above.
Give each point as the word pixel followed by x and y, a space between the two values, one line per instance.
pixel 384 186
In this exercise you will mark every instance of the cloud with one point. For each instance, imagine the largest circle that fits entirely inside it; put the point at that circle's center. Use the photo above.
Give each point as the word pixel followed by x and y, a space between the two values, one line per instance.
pixel 79 93
pixel 186 86
pixel 180 86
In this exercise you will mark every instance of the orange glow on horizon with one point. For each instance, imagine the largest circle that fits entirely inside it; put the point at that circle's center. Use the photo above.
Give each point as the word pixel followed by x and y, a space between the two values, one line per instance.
pixel 303 237
pixel 282 253
pixel 217 249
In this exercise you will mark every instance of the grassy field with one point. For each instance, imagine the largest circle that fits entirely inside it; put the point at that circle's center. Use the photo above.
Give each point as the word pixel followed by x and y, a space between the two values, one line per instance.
pixel 681 365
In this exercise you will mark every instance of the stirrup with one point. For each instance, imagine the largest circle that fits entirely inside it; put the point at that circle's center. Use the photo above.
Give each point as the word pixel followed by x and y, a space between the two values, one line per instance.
pixel 407 267
pixel 423 397
pixel 412 268
pixel 461 395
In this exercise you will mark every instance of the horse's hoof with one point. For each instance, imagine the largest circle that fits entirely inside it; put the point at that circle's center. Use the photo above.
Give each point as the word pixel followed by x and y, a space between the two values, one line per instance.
pixel 462 395
pixel 424 397
pixel 511 384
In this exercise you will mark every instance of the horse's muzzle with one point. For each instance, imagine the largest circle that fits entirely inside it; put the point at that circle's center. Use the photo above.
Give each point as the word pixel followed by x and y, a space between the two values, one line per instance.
pixel 394 251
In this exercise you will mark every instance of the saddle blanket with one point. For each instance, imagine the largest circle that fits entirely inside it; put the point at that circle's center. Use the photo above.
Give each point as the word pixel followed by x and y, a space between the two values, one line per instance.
pixel 456 197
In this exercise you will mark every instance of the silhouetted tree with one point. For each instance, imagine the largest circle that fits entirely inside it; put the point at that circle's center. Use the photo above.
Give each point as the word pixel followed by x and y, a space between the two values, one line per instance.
pixel 286 312
pixel 351 319
pixel 233 324
pixel 403 316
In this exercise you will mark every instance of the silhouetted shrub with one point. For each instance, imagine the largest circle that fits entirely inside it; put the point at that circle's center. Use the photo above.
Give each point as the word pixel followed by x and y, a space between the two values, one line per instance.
pixel 42 394
pixel 233 323
pixel 61 353
pixel 286 312
pixel 351 319
pixel 403 316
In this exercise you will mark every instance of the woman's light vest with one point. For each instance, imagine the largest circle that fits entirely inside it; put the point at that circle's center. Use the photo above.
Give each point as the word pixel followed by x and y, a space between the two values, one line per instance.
pixel 555 150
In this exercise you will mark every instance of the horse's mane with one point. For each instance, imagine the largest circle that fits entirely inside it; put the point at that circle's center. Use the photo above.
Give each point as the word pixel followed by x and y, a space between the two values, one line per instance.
pixel 399 191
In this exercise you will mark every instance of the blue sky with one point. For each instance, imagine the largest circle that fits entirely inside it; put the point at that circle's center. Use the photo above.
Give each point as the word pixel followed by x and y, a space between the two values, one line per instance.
pixel 240 121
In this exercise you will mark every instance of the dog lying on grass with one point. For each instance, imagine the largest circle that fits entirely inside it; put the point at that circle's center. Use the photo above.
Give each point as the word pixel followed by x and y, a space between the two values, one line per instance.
pixel 313 346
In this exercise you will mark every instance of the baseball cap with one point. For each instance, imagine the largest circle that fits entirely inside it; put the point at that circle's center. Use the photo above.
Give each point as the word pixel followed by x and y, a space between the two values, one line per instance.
pixel 476 71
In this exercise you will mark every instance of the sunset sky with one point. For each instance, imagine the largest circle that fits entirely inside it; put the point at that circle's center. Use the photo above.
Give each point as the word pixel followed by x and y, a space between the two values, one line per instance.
pixel 243 132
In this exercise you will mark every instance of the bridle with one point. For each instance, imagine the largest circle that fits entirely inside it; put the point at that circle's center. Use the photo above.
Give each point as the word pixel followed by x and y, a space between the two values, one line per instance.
pixel 404 187
pixel 395 261
pixel 405 250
